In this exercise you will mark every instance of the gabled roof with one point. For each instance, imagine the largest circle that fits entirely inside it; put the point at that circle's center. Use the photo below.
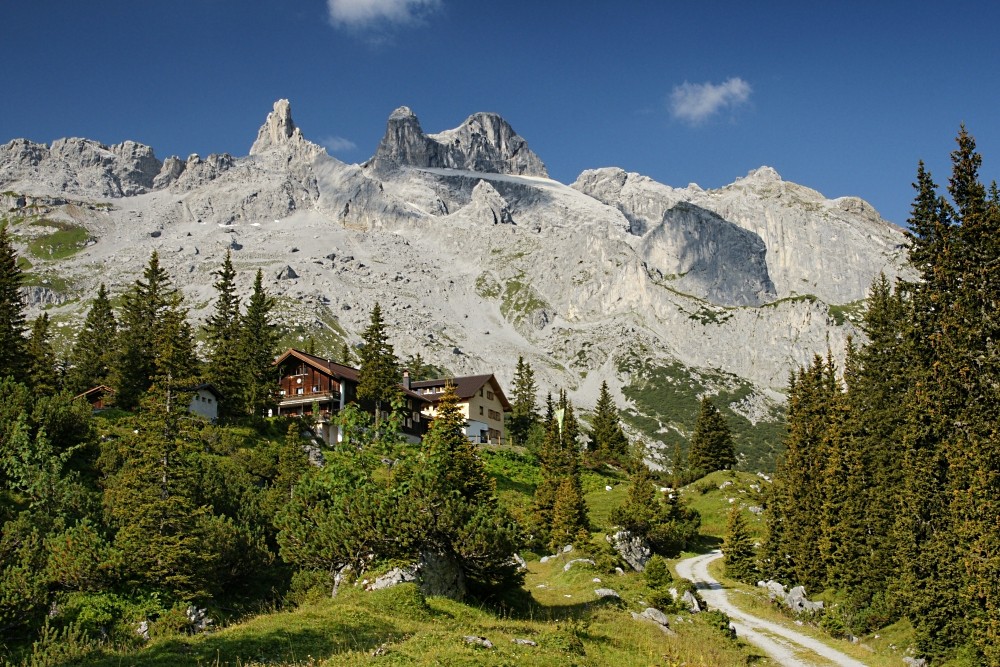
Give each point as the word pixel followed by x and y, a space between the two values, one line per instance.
pixel 466 386
pixel 210 388
pixel 334 369
pixel 99 390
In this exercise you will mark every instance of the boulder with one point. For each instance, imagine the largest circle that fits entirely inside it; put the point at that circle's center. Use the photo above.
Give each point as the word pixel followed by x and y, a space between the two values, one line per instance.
pixel 479 641
pixel 633 549
pixel 693 605
pixel 607 593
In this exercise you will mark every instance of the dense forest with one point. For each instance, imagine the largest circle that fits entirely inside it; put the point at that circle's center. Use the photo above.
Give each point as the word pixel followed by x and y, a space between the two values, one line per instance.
pixel 888 492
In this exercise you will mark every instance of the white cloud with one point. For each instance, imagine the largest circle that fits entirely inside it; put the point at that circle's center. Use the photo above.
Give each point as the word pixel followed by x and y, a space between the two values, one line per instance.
pixel 695 102
pixel 367 13
pixel 338 145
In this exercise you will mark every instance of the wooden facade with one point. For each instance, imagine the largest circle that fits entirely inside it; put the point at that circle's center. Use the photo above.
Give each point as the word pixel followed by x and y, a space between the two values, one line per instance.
pixel 307 383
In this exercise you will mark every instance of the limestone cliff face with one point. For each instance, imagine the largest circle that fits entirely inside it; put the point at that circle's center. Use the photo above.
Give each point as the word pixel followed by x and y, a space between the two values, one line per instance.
pixel 79 167
pixel 485 142
pixel 832 249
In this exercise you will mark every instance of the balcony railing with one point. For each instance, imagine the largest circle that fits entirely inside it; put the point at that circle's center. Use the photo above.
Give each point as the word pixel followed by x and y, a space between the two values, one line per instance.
pixel 308 399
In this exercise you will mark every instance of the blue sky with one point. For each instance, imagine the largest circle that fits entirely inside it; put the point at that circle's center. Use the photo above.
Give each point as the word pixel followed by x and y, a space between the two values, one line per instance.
pixel 843 97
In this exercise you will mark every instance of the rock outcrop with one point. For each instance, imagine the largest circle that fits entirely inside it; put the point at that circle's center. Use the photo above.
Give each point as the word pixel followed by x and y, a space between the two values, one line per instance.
pixel 485 142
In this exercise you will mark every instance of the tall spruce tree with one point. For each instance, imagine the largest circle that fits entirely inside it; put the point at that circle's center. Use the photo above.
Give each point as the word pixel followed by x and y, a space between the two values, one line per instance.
pixel 42 370
pixel 93 354
pixel 524 415
pixel 608 443
pixel 738 549
pixel 712 443
pixel 379 372
pixel 223 368
pixel 12 325
pixel 257 346
pixel 560 487
pixel 142 315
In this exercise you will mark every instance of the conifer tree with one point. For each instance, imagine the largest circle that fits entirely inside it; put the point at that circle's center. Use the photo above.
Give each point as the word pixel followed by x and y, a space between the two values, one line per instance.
pixel 12 324
pixel 738 549
pixel 637 513
pixel 560 462
pixel 152 506
pixel 141 319
pixel 93 354
pixel 608 443
pixel 175 366
pixel 223 369
pixel 41 357
pixel 712 443
pixel 523 406
pixel 346 358
pixel 258 342
pixel 378 373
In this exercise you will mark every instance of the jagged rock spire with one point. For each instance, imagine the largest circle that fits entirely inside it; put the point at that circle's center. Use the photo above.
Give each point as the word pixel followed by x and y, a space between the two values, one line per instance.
pixel 279 130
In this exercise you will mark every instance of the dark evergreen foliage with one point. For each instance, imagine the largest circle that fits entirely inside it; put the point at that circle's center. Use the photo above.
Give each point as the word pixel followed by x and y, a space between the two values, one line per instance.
pixel 93 354
pixel 223 329
pixel 712 443
pixel 379 373
pixel 889 485
pixel 12 354
pixel 608 444
pixel 256 349
pixel 524 415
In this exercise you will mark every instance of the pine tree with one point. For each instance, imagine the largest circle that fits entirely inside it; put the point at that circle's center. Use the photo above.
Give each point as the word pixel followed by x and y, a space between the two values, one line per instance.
pixel 379 373
pixel 569 515
pixel 738 549
pixel 222 330
pixel 12 324
pixel 637 513
pixel 94 352
pixel 42 372
pixel 141 319
pixel 152 506
pixel 175 366
pixel 346 358
pixel 523 415
pixel 712 443
pixel 560 462
pixel 608 443
pixel 257 345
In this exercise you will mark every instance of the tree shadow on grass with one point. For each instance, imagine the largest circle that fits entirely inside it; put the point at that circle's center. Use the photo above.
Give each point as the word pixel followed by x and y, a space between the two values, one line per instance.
pixel 267 647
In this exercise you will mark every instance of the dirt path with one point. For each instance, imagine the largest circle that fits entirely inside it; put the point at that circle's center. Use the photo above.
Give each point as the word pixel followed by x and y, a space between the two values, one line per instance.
pixel 786 646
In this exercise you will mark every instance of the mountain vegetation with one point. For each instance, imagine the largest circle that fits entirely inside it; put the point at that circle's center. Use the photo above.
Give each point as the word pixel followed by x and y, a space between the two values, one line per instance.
pixel 887 491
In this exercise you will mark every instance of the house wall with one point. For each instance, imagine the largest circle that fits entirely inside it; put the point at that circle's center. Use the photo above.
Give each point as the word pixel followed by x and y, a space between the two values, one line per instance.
pixel 204 404
pixel 485 407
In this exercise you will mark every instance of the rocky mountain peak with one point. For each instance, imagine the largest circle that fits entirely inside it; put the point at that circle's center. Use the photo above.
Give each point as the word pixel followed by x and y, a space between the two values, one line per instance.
pixel 485 142
pixel 280 131
pixel 763 174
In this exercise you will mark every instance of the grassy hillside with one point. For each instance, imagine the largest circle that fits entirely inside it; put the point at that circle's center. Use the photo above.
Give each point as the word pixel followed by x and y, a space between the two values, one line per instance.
pixel 556 608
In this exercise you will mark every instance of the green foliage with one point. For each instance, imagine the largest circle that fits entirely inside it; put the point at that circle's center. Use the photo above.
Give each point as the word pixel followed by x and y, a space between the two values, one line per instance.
pixel 608 444
pixel 257 345
pixel 712 442
pixel 378 373
pixel 12 343
pixel 888 491
pixel 738 550
pixel 524 413
pixel 42 371
pixel 93 354
pixel 223 332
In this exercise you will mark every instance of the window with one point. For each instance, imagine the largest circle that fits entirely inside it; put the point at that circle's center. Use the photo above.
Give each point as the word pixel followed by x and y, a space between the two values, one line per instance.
pixel 299 390
pixel 481 411
pixel 409 423
pixel 494 415
pixel 480 391
pixel 281 392
pixel 416 416
pixel 489 395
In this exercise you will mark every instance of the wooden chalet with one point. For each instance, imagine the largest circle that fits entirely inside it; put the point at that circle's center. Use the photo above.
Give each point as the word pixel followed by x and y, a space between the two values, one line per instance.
pixel 480 399
pixel 99 397
pixel 307 382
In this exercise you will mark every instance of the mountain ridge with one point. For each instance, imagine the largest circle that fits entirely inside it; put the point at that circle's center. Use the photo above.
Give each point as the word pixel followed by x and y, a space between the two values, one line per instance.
pixel 595 280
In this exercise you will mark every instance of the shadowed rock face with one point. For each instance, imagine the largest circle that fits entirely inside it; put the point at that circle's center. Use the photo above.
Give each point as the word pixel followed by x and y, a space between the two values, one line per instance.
pixel 485 142
pixel 709 256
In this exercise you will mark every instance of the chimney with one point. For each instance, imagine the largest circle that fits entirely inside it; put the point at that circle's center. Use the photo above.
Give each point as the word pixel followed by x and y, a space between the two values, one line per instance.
pixel 406 379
